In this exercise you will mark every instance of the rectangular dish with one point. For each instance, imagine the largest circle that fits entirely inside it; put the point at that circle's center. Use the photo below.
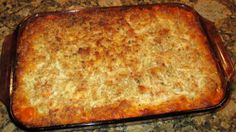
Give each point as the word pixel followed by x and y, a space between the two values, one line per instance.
pixel 104 65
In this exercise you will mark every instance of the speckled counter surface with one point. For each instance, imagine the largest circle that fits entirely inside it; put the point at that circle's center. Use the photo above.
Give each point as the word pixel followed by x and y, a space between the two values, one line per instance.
pixel 222 12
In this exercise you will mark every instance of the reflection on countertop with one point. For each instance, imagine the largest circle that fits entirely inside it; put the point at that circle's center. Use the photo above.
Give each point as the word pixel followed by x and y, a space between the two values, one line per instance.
pixel 222 12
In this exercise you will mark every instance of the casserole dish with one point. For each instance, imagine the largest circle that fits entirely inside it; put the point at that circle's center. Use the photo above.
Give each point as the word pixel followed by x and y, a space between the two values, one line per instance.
pixel 108 65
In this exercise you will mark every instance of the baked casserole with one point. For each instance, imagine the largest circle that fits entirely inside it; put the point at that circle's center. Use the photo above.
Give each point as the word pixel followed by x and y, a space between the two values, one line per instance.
pixel 112 63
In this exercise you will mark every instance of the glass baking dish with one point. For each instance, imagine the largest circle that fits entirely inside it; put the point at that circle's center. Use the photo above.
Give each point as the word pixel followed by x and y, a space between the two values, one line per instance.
pixel 224 65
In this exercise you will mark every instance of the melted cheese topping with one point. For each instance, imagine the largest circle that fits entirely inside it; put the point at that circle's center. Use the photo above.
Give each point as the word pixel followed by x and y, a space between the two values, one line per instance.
pixel 87 60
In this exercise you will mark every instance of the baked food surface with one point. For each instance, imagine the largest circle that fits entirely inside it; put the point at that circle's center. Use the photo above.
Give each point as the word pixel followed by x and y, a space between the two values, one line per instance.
pixel 112 63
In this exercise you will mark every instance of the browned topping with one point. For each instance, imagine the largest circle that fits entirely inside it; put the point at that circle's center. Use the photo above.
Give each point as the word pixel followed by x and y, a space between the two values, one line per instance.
pixel 111 64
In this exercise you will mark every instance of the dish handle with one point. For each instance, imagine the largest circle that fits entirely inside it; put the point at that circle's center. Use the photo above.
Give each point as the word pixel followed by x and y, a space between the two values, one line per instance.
pixel 5 69
pixel 218 46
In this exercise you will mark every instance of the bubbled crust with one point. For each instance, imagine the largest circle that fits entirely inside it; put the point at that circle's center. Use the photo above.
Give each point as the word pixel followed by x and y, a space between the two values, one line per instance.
pixel 105 64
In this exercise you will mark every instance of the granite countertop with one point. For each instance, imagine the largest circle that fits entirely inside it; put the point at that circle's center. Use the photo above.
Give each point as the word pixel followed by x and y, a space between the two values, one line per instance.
pixel 222 12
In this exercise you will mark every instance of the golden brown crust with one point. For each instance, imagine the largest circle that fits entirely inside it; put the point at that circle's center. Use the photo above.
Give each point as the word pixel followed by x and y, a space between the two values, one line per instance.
pixel 105 64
